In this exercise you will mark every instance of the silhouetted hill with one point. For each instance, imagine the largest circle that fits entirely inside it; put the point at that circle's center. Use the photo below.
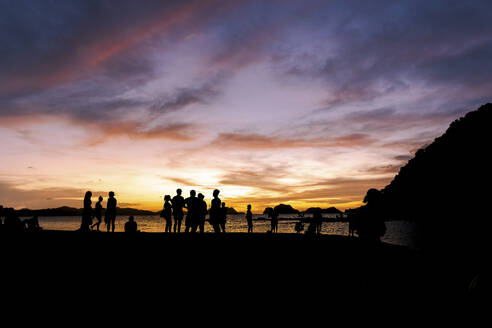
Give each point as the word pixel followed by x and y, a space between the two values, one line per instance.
pixel 330 210
pixel 282 209
pixel 70 211
pixel 232 211
pixel 446 186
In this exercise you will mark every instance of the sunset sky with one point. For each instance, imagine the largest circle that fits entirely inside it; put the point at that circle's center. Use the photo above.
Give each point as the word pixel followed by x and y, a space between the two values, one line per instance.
pixel 308 103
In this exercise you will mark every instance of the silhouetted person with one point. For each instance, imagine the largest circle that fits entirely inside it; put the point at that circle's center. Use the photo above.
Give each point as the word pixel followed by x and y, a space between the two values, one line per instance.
pixel 351 225
pixel 98 213
pixel 167 213
pixel 317 221
pixel 299 227
pixel 131 225
pixel 191 206
pixel 370 225
pixel 110 216
pixel 202 213
pixel 273 214
pixel 215 211
pixel 249 218
pixel 12 223
pixel 87 212
pixel 178 203
pixel 223 217
pixel 1 221
pixel 32 224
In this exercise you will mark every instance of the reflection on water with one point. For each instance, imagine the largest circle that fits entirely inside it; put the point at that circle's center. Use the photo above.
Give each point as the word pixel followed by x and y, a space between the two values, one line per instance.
pixel 400 233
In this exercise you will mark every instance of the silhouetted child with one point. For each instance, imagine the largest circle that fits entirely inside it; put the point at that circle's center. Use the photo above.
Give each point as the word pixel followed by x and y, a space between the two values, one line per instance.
pixel 98 213
pixel 131 225
pixel 249 218
pixel 110 216
pixel 167 213
pixel 299 227
pixel 223 217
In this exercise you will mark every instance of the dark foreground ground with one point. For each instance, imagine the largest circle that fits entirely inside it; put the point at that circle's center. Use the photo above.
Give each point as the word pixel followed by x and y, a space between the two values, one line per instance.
pixel 197 270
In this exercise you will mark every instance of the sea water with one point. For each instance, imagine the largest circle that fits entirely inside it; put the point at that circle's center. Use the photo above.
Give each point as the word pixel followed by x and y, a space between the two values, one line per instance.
pixel 397 232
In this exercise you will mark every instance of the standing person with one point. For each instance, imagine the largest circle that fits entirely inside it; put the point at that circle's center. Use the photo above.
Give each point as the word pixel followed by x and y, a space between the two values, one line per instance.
pixel 249 218
pixel 178 203
pixel 98 213
pixel 215 211
pixel 167 213
pixel 370 226
pixel 110 216
pixel 274 220
pixel 318 221
pixel 1 214
pixel 202 213
pixel 87 212
pixel 190 205
pixel 223 217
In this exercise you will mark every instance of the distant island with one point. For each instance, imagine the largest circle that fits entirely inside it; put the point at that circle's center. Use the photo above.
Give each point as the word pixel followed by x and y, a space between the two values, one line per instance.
pixel 282 209
pixel 329 210
pixel 71 211
pixel 288 209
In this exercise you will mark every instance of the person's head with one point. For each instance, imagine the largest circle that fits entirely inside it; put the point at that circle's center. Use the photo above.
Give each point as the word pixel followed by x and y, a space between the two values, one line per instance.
pixel 192 193
pixel 100 198
pixel 131 218
pixel 179 191
pixel 167 198
pixel 372 196
pixel 111 194
pixel 200 195
pixel 249 207
pixel 216 192
pixel 88 195
pixel 223 204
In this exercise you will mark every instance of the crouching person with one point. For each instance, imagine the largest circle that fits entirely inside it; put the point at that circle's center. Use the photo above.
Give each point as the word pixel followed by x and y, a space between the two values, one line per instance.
pixel 131 225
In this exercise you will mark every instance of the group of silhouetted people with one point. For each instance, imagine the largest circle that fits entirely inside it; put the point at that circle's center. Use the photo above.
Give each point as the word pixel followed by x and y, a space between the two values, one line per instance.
pixel 89 214
pixel 196 212
pixel 365 221
pixel 13 224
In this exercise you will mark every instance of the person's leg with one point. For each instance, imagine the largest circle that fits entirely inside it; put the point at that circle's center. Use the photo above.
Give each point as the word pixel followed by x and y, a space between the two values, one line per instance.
pixel 113 219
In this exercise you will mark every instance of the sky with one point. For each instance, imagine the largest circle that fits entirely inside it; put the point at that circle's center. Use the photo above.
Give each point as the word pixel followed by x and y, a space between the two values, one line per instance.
pixel 307 103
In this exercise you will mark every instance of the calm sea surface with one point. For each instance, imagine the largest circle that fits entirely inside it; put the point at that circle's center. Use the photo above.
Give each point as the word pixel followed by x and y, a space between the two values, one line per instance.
pixel 398 232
